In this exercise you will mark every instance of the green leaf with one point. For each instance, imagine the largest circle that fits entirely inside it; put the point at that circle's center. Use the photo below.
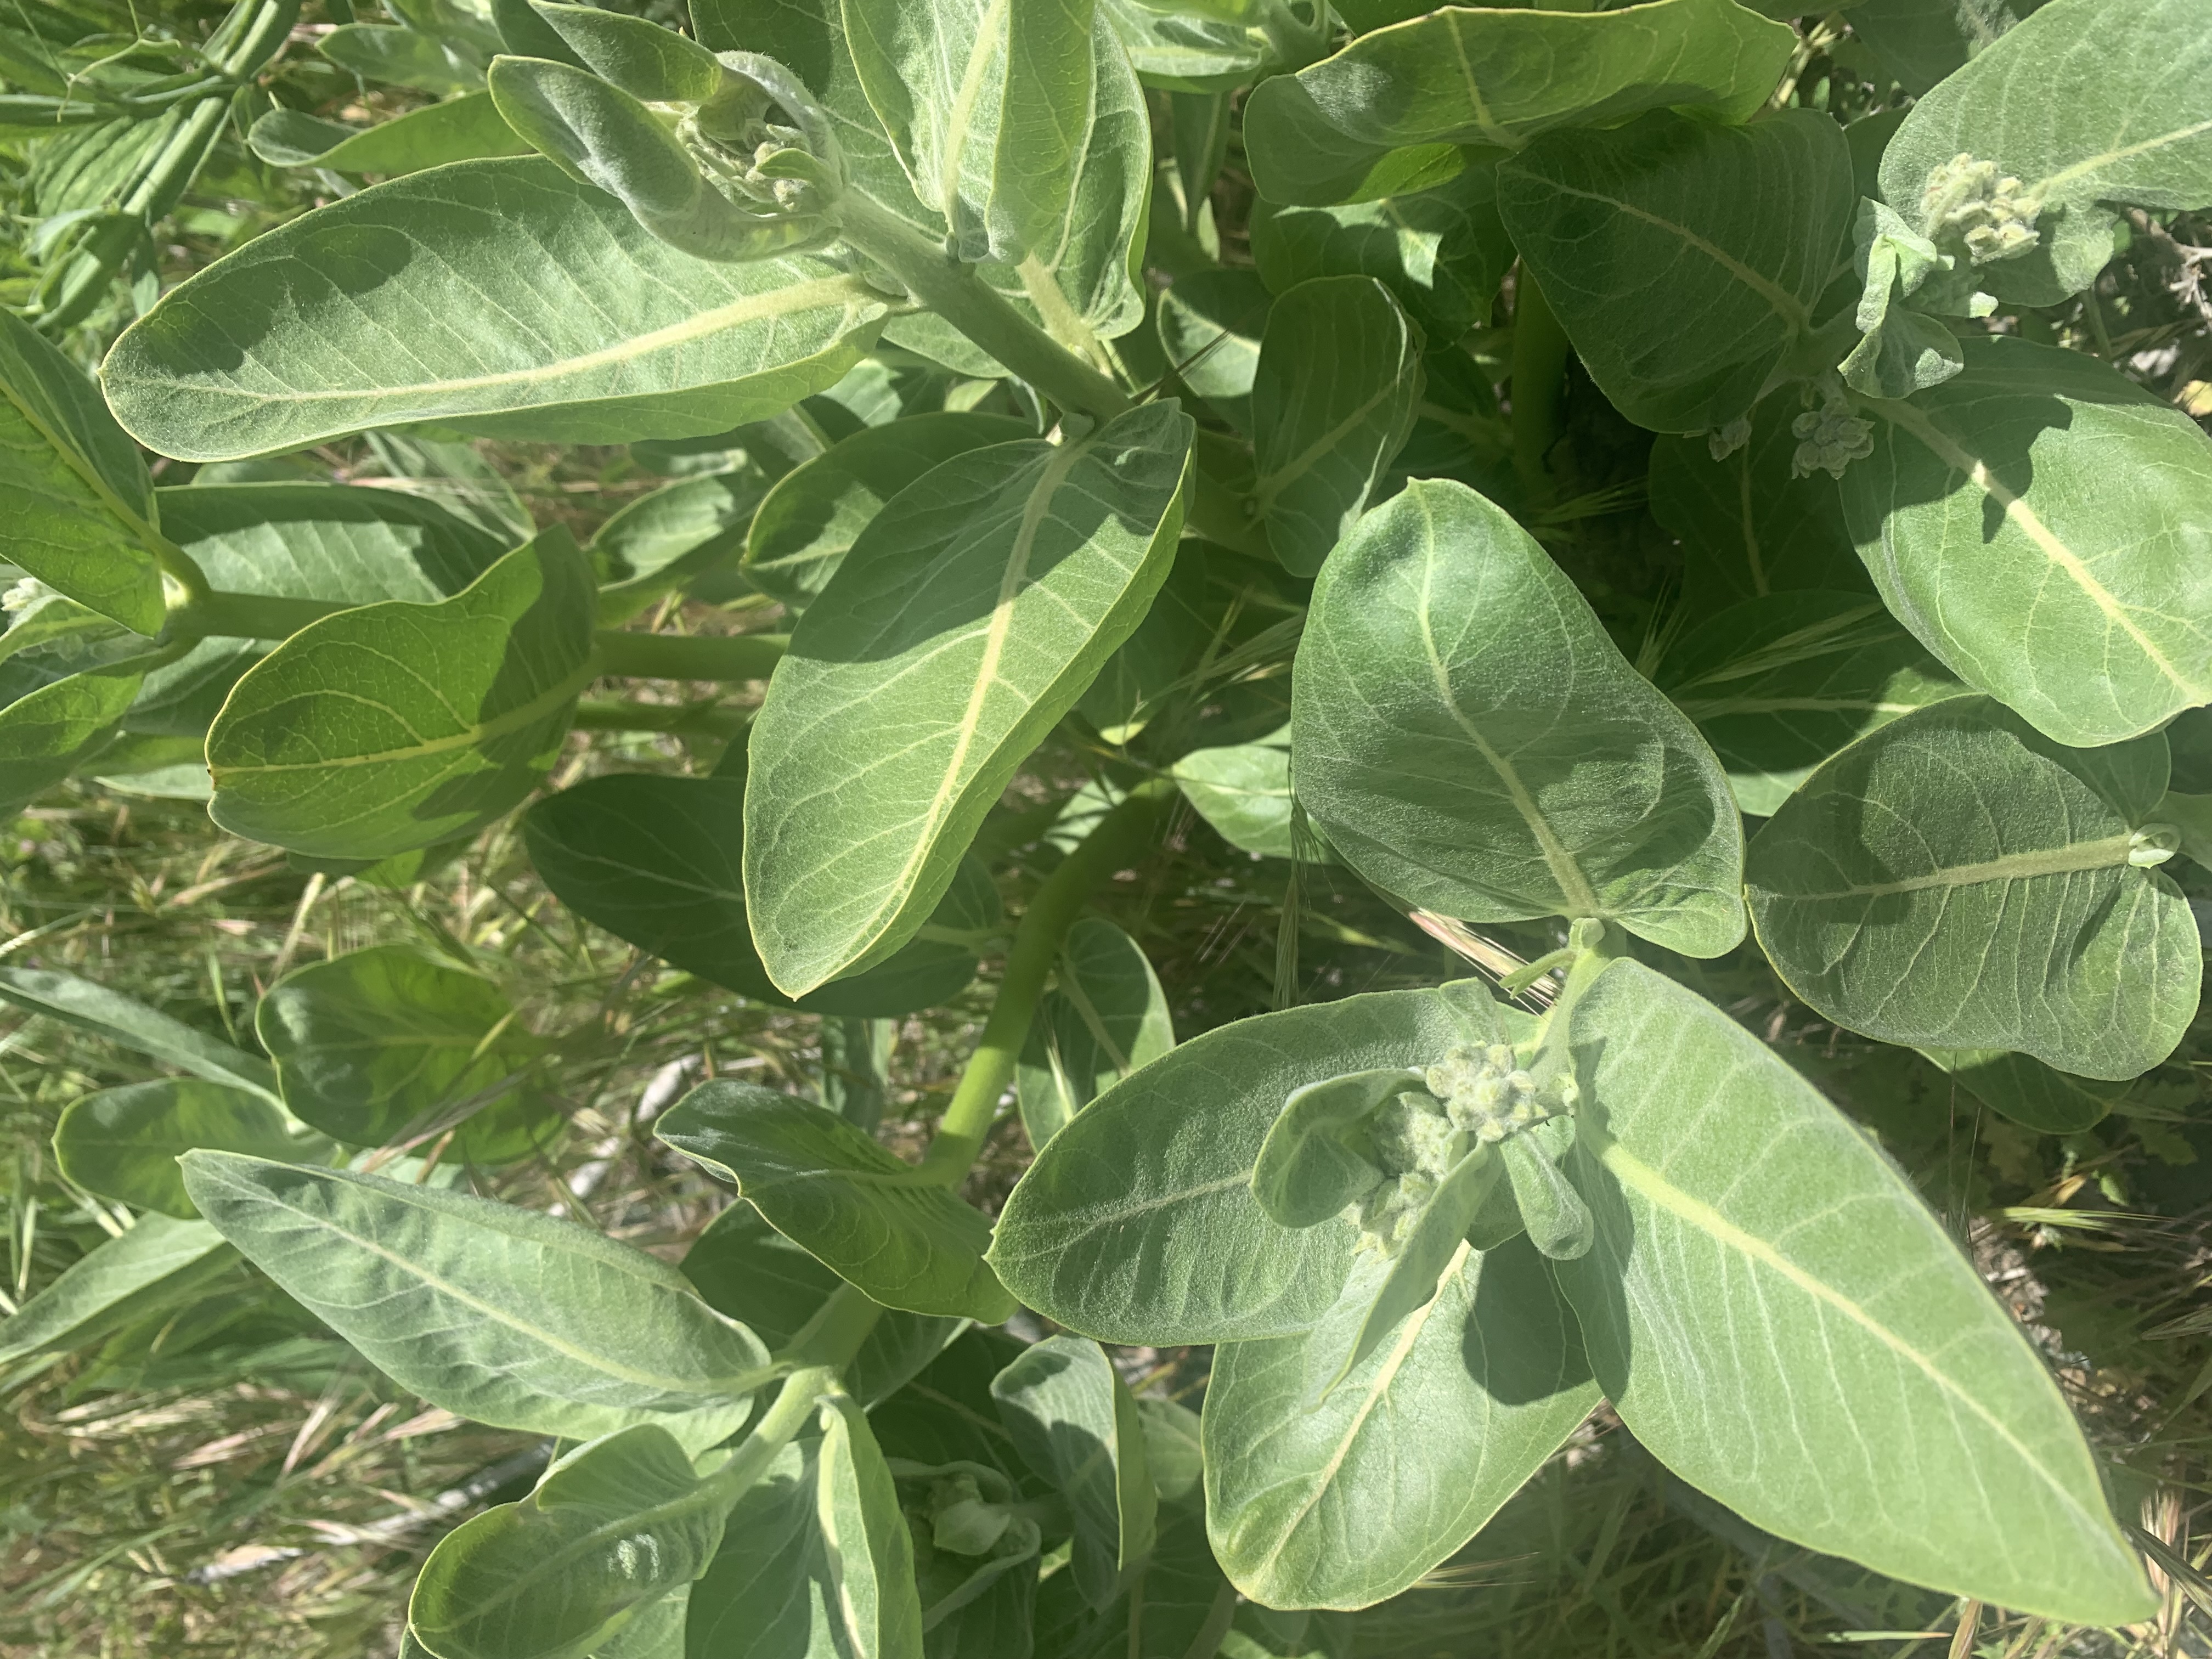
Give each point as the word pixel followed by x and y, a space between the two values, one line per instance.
pixel 1210 326
pixel 746 1269
pixel 1243 790
pixel 636 54
pixel 110 1014
pixel 960 629
pixel 2087 105
pixel 1193 621
pixel 1558 1221
pixel 1921 41
pixel 398 726
pixel 385 1045
pixel 1317 1158
pixel 1297 1498
pixel 58 728
pixel 400 58
pixel 1779 684
pixel 1441 253
pixel 500 297
pixel 1987 517
pixel 462 129
pixel 1900 351
pixel 1684 259
pixel 1920 1434
pixel 77 502
pixel 1333 399
pixel 1137 1223
pixel 2030 1093
pixel 123 1144
pixel 671 538
pixel 808 522
pixel 1187 50
pixel 1354 126
pixel 152 1267
pixel 1104 1018
pixel 612 1529
pixel 1749 524
pixel 499 1313
pixel 864 1541
pixel 1076 1425
pixel 1958 837
pixel 1469 739
pixel 771 1591
pixel 843 1197
pixel 658 861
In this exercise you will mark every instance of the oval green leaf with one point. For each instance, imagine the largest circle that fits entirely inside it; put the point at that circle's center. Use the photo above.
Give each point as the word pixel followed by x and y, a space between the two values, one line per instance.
pixel 123 1143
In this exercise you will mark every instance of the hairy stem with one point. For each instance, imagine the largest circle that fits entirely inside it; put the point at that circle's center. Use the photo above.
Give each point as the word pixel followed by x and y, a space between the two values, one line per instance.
pixel 1118 838
pixel 1539 369
pixel 956 292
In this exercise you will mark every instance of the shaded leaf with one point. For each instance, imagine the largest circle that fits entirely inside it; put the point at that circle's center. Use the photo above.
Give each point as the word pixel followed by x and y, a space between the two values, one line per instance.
pixel 459 130
pixel 1243 790
pixel 153 1267
pixel 1104 1017
pixel 123 1144
pixel 2028 1092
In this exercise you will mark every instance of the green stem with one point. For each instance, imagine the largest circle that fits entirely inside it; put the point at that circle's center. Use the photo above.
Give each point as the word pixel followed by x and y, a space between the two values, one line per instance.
pixel 689 656
pixel 830 1339
pixel 1540 369
pixel 701 719
pixel 954 292
pixel 1597 945
pixel 792 1411
pixel 1118 838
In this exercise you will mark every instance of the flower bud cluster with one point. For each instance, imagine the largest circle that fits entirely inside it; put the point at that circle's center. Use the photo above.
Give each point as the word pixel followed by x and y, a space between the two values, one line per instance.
pixel 1830 438
pixel 1488 1095
pixel 1991 215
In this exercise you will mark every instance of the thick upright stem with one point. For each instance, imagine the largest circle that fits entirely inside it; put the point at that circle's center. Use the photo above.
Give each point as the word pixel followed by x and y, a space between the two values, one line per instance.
pixel 1119 836
pixel 954 292
pixel 1539 369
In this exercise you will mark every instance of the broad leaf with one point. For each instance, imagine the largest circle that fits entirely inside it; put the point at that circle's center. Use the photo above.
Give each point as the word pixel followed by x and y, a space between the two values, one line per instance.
pixel 58 728
pixel 1332 398
pixel 809 521
pixel 499 297
pixel 464 129
pixel 503 1315
pixel 1392 105
pixel 843 1197
pixel 1957 880
pixel 78 505
pixel 386 1045
pixel 1104 1017
pixel 863 1541
pixel 400 58
pixel 2087 105
pixel 1137 1223
pixel 1749 525
pixel 2030 1093
pixel 1684 259
pixel 611 1529
pixel 154 1266
pixel 123 1143
pixel 1470 741
pixel 1778 684
pixel 1243 790
pixel 959 630
pixel 90 1007
pixel 744 1268
pixel 398 726
pixel 1293 1494
pixel 1076 1425
pixel 1194 615
pixel 1739 1239
pixel 671 538
pixel 1987 515
pixel 659 861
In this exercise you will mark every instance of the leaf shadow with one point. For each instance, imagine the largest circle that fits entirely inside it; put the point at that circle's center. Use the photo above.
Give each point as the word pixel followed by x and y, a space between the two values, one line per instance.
pixel 1522 1344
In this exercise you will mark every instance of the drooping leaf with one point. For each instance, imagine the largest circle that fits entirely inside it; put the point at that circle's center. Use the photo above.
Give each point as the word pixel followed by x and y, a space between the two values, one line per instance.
pixel 385 1044
pixel 843 1197
pixel 1987 517
pixel 1294 1495
pixel 1957 880
pixel 658 861
pixel 78 505
pixel 462 129
pixel 399 726
pixel 91 1007
pixel 1470 738
pixel 1243 790
pixel 1332 398
pixel 1077 1426
pixel 610 1530
pixel 1104 1018
pixel 2030 1093
pixel 1683 258
pixel 2083 107
pixel 744 1268
pixel 1395 105
pixel 498 297
pixel 123 1143
pixel 959 630
pixel 1750 526
pixel 1137 1223
pixel 1927 1441
pixel 808 522
pixel 1558 1220
pixel 1779 684
pixel 511 1317
pixel 154 1266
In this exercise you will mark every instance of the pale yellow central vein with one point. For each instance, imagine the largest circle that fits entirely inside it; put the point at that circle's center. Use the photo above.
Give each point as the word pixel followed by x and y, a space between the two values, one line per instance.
pixel 1485 122
pixel 1779 298
pixel 2021 515
pixel 960 120
pixel 2043 187
pixel 1631 1172
pixel 2108 853
pixel 538 708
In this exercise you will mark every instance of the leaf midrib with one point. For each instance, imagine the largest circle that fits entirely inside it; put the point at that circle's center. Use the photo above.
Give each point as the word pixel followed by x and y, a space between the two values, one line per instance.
pixel 2074 858
pixel 1779 300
